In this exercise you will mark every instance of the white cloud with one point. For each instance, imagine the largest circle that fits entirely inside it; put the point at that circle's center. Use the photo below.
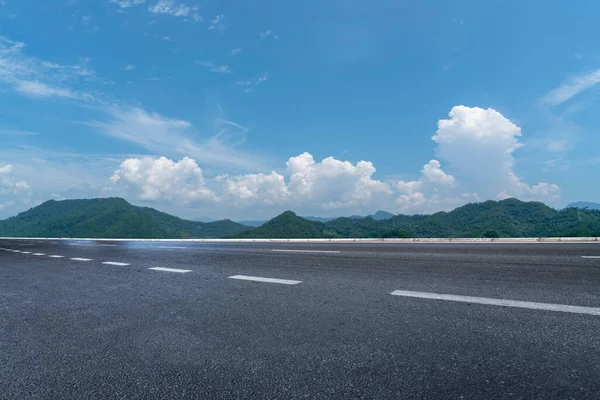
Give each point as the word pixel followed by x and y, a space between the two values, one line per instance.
pixel 572 88
pixel 212 67
pixel 39 89
pixel 158 134
pixel 216 24
pixel 161 179
pixel 557 146
pixel 235 51
pixel 433 173
pixel 333 183
pixel 7 169
pixel 327 185
pixel 479 144
pixel 407 186
pixel 40 79
pixel 268 33
pixel 250 189
pixel 12 189
pixel 223 69
pixel 262 78
pixel 170 7
pixel 248 83
pixel 16 132
pixel 129 67
pixel 127 3
pixel 432 192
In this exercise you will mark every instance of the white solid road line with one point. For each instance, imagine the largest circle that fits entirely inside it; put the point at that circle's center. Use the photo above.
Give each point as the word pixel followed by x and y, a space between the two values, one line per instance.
pixel 120 264
pixel 56 256
pixel 500 302
pixel 305 251
pixel 181 271
pixel 590 256
pixel 38 254
pixel 80 259
pixel 268 280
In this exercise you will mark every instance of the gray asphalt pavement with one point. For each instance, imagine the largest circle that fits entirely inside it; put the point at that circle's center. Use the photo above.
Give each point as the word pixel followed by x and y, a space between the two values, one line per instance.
pixel 141 320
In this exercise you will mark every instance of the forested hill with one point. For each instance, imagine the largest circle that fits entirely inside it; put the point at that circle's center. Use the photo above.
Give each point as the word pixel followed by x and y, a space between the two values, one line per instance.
pixel 109 218
pixel 116 218
pixel 506 218
pixel 585 204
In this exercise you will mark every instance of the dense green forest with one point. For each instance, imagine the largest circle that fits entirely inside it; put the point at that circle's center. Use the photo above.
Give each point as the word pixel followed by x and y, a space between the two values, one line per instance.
pixel 116 218
pixel 109 218
pixel 506 218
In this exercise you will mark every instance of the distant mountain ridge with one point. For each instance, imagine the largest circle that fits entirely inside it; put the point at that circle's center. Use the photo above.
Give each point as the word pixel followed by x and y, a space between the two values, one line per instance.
pixel 584 204
pixel 116 218
pixel 506 218
pixel 379 215
pixel 109 218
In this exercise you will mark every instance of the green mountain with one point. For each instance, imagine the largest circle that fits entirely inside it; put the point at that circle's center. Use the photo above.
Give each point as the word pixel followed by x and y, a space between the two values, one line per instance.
pixel 379 215
pixel 109 218
pixel 116 218
pixel 287 225
pixel 584 204
pixel 506 218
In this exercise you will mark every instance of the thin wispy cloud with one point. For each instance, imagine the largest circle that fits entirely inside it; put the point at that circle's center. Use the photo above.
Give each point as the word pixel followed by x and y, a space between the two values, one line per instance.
pixel 212 67
pixel 127 3
pixel 174 136
pixel 248 84
pixel 37 89
pixel 40 79
pixel 262 78
pixel 129 67
pixel 235 51
pixel 157 36
pixel 16 132
pixel 170 7
pixel 83 24
pixel 267 34
pixel 216 24
pixel 572 88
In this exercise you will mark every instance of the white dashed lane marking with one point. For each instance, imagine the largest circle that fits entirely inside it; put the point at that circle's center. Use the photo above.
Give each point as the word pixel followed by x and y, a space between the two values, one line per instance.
pixel 267 280
pixel 80 259
pixel 120 264
pixel 590 256
pixel 172 247
pixel 306 251
pixel 25 252
pixel 499 302
pixel 38 254
pixel 56 256
pixel 181 271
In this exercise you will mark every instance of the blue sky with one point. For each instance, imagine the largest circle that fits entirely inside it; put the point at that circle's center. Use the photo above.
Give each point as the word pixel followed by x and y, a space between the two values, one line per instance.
pixel 246 109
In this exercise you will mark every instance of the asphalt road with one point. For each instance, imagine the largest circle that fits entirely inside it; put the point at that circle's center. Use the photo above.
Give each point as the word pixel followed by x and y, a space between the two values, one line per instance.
pixel 315 320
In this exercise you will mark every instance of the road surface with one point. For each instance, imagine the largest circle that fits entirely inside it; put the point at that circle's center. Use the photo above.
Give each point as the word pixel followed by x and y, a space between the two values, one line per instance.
pixel 133 320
